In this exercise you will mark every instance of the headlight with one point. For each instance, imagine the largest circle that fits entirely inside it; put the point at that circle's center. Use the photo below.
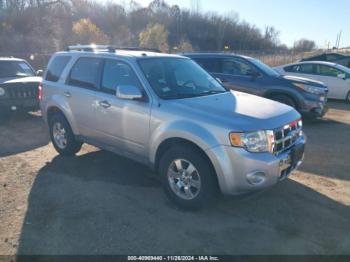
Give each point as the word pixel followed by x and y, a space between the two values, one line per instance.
pixel 257 141
pixel 2 91
pixel 310 89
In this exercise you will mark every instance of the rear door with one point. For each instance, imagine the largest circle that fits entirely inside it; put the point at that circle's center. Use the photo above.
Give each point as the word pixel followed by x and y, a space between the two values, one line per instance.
pixel 80 93
pixel 123 125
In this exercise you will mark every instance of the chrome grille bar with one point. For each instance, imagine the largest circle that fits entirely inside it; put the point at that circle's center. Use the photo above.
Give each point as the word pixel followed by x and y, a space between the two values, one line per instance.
pixel 286 136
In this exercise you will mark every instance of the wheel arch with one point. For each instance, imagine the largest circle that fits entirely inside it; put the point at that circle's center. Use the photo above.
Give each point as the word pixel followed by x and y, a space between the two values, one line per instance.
pixel 55 109
pixel 272 93
pixel 178 141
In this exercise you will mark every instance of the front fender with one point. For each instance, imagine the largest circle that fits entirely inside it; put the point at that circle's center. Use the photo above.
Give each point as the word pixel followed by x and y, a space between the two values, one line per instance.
pixel 183 129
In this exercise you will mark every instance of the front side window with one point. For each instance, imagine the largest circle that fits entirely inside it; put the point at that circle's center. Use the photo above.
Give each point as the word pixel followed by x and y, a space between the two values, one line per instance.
pixel 264 68
pixel 15 69
pixel 237 67
pixel 173 78
pixel 56 68
pixel 85 73
pixel 325 70
pixel 116 73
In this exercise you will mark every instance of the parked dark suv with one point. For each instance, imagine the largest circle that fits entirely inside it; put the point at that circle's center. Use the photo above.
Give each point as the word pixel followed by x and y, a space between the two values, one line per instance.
pixel 250 75
pixel 330 57
pixel 18 85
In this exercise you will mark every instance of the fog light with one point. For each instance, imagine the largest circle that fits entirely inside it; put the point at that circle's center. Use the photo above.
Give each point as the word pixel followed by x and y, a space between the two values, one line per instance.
pixel 256 178
pixel 13 108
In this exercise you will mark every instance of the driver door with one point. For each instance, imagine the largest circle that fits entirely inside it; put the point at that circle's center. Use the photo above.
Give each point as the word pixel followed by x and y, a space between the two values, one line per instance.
pixel 236 74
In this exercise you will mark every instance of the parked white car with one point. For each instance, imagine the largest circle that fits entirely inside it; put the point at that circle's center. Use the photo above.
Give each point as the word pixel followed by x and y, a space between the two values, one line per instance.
pixel 336 77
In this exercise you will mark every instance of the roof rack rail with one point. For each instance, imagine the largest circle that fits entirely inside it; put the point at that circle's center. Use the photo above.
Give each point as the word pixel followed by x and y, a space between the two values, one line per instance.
pixel 107 48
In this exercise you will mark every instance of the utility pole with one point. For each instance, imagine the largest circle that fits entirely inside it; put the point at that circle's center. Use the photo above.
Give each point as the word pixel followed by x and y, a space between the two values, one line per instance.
pixel 339 38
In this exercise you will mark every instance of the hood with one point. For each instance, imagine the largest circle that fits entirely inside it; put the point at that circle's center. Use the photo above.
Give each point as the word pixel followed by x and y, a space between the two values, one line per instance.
pixel 237 111
pixel 302 80
pixel 13 80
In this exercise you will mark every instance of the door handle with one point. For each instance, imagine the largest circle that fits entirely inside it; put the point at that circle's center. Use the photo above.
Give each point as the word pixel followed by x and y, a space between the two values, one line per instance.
pixel 67 94
pixel 104 104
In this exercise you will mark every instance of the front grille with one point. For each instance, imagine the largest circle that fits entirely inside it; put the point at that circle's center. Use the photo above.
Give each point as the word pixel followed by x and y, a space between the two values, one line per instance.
pixel 286 136
pixel 22 91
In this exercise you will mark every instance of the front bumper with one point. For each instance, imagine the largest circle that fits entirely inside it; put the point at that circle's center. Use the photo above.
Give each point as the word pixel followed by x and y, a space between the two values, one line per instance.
pixel 314 108
pixel 240 171
pixel 19 104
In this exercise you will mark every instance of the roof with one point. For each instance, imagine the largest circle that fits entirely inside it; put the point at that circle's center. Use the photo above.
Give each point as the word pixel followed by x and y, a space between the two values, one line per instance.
pixel 310 62
pixel 116 51
pixel 214 54
pixel 10 59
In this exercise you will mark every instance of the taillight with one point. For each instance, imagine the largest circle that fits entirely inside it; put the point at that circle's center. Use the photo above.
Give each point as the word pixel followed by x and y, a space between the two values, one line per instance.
pixel 40 91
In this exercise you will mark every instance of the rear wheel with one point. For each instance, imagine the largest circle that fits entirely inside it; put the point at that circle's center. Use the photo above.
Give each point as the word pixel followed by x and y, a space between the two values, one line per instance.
pixel 187 177
pixel 284 99
pixel 62 136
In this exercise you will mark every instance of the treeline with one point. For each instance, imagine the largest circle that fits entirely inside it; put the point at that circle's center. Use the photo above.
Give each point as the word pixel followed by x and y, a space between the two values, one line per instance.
pixel 51 25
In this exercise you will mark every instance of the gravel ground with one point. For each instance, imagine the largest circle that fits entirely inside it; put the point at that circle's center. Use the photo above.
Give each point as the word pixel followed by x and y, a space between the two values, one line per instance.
pixel 99 203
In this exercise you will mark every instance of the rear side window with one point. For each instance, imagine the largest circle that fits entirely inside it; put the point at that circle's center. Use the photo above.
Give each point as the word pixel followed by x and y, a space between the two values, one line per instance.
pixel 85 73
pixel 211 65
pixel 293 68
pixel 56 68
pixel 116 73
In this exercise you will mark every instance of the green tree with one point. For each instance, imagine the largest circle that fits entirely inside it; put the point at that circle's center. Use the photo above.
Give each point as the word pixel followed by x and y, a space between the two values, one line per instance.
pixel 86 32
pixel 155 36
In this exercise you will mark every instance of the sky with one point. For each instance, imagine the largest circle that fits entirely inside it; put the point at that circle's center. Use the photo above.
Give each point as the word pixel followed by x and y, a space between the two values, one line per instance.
pixel 318 20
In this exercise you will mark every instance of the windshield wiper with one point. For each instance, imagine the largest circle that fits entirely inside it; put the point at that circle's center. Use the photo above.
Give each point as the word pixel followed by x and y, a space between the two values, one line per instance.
pixel 211 92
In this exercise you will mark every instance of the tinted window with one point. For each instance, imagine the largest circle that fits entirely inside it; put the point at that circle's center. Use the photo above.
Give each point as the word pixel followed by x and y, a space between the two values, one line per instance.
pixel 233 66
pixel 85 73
pixel 56 68
pixel 116 74
pixel 329 71
pixel 15 69
pixel 333 57
pixel 306 69
pixel 293 68
pixel 212 65
pixel 316 58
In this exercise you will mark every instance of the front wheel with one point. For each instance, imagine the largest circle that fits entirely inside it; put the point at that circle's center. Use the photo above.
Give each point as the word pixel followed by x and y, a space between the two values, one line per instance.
pixel 188 178
pixel 285 100
pixel 348 98
pixel 62 136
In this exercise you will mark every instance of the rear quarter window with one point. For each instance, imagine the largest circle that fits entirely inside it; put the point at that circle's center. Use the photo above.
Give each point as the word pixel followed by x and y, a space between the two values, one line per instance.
pixel 56 68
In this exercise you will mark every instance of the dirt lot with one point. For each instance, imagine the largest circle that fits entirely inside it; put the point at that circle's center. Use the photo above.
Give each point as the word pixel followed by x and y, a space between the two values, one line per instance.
pixel 99 203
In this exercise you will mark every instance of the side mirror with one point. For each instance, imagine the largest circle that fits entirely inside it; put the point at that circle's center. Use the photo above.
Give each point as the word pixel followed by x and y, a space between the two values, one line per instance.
pixel 40 72
pixel 342 76
pixel 129 93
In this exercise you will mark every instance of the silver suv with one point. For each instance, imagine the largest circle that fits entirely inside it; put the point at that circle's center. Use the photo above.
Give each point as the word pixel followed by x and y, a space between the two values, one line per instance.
pixel 167 112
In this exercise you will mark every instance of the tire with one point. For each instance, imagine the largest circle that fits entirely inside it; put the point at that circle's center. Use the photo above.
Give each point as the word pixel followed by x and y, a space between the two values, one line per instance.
pixel 284 99
pixel 62 136
pixel 348 98
pixel 202 186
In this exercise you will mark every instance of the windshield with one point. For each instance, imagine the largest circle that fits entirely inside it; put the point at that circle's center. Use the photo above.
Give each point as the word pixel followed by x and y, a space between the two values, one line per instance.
pixel 15 69
pixel 265 68
pixel 173 78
